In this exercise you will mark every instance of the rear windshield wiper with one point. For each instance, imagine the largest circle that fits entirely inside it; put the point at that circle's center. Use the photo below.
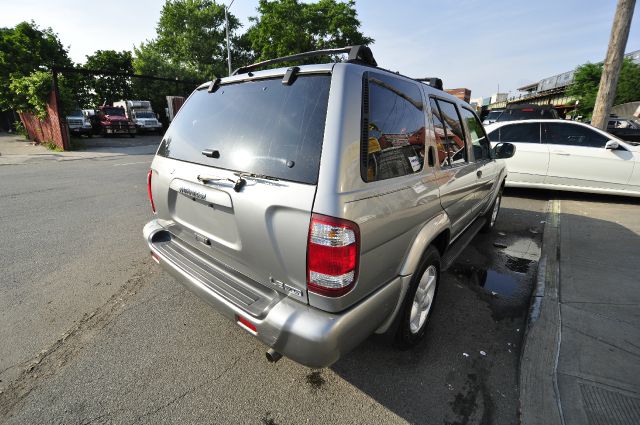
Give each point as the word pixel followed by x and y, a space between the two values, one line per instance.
pixel 257 176
pixel 237 184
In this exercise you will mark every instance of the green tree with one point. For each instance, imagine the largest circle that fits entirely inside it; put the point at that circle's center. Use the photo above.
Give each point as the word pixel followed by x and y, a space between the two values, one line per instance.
pixel 191 33
pixel 586 81
pixel 110 88
pixel 150 60
pixel 286 27
pixel 32 92
pixel 25 49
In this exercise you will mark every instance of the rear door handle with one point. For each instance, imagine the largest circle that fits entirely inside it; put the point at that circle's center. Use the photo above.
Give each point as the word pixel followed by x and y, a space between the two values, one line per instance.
pixel 562 153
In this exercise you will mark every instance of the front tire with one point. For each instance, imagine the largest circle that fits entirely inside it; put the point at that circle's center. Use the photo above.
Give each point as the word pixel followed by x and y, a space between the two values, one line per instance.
pixel 419 301
pixel 492 215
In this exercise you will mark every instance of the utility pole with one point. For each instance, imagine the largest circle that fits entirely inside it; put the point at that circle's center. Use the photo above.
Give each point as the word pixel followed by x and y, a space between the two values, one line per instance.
pixel 613 63
pixel 226 19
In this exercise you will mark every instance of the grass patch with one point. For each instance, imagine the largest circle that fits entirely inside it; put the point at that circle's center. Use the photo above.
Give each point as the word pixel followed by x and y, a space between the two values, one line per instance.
pixel 52 146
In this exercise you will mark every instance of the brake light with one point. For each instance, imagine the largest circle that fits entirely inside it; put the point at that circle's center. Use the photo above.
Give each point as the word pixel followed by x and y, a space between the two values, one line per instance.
pixel 333 251
pixel 527 110
pixel 153 206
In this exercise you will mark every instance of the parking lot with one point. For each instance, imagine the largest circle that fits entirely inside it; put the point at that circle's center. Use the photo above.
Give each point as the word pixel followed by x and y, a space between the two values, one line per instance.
pixel 95 332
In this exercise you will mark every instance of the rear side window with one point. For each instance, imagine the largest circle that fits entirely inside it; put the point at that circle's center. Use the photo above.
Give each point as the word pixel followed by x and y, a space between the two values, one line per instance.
pixel 573 135
pixel 479 142
pixel 517 133
pixel 261 127
pixel 395 128
pixel 449 133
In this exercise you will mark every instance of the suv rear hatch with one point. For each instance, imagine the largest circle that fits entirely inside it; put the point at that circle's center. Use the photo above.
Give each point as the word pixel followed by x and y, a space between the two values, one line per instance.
pixel 236 175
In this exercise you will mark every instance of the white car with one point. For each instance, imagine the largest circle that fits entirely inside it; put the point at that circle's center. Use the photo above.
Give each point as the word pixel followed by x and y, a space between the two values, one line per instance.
pixel 567 155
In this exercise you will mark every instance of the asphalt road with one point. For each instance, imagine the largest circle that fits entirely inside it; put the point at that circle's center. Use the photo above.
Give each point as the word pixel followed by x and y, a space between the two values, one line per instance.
pixel 94 332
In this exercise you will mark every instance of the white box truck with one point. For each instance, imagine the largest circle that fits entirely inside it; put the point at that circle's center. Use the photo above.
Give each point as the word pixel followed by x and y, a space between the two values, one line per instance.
pixel 141 113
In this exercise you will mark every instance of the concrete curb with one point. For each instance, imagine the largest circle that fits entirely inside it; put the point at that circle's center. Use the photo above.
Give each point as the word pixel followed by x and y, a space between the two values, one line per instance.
pixel 539 396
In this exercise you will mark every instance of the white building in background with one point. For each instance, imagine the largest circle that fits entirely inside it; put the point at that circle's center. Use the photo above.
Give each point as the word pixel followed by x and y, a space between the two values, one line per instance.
pixel 498 97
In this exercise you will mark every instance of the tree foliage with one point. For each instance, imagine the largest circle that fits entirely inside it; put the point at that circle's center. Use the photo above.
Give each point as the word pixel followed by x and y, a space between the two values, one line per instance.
pixel 24 50
pixel 586 82
pixel 286 27
pixel 32 92
pixel 150 60
pixel 190 45
pixel 192 34
pixel 110 88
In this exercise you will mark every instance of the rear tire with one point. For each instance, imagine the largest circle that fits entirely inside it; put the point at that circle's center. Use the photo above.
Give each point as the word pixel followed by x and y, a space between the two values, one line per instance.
pixel 419 301
pixel 491 216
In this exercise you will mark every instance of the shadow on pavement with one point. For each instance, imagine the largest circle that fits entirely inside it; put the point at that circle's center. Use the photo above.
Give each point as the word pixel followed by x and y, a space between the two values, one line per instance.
pixel 448 379
pixel 569 196
pixel 466 369
pixel 142 144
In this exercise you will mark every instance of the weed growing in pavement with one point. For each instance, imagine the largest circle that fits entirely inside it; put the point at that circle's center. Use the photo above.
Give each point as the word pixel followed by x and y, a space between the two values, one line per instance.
pixel 52 146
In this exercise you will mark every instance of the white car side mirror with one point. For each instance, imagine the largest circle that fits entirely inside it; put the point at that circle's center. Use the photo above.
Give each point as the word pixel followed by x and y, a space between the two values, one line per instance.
pixel 612 144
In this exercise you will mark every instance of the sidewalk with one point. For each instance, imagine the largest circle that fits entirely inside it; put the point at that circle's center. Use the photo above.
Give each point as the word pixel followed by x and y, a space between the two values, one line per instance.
pixel 581 359
pixel 16 150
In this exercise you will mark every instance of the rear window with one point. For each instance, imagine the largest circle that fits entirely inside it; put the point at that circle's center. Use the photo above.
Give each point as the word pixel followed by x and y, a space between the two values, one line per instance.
pixel 517 133
pixel 493 115
pixel 261 127
pixel 527 114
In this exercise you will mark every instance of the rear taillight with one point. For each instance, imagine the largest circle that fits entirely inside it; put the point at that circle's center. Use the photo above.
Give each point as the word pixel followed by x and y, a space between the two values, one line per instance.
pixel 153 206
pixel 333 250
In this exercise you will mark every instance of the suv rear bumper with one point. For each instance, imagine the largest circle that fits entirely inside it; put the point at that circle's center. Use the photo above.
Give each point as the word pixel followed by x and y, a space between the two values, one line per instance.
pixel 309 336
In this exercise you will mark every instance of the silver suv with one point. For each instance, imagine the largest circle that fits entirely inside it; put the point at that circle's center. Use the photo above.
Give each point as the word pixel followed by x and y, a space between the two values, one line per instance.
pixel 316 205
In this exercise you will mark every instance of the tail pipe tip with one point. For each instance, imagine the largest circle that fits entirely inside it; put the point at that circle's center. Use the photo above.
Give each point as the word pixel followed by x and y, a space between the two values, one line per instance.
pixel 273 356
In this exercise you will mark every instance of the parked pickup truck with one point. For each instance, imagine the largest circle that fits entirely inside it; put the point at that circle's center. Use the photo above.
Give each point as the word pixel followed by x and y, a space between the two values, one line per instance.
pixel 316 205
pixel 79 124
pixel 112 120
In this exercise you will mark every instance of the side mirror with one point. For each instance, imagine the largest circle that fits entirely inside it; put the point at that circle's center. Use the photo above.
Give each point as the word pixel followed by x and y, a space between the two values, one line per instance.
pixel 504 150
pixel 612 144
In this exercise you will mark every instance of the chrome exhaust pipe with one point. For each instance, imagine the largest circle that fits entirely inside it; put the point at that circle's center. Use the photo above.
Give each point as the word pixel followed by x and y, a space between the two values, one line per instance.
pixel 273 356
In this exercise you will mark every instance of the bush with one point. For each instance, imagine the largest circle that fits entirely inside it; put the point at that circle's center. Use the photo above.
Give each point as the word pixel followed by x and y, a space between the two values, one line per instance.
pixel 20 129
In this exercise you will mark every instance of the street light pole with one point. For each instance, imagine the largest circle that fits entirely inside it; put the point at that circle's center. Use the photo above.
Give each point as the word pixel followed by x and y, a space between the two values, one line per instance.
pixel 226 19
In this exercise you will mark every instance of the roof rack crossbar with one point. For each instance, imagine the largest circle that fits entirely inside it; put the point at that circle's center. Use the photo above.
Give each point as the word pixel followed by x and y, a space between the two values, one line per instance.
pixel 358 54
pixel 434 82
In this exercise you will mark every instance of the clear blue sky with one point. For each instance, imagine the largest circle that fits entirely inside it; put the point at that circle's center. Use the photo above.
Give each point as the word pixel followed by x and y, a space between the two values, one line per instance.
pixel 473 44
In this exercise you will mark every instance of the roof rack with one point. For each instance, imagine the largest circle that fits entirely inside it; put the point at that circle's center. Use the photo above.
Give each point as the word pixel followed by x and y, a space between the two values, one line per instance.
pixel 434 82
pixel 357 54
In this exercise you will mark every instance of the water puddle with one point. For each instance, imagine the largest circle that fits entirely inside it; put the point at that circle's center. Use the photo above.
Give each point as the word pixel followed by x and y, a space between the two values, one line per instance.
pixel 517 264
pixel 501 271
pixel 501 284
